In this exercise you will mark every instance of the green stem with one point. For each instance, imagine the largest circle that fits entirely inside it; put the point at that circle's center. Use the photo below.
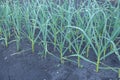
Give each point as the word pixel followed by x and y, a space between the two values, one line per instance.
pixel 78 59
pixel 111 47
pixel 78 62
pixel 119 73
pixel 54 43
pixel 18 44
pixel 61 56
pixel 104 53
pixel 98 63
pixel 45 49
pixel 87 55
pixel 6 42
pixel 70 47
pixel 33 45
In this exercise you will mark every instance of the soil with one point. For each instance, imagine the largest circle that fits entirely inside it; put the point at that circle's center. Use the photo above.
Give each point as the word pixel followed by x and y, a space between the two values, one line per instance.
pixel 25 65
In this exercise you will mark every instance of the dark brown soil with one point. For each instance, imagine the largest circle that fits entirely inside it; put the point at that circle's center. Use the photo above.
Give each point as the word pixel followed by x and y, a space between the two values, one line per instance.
pixel 24 65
